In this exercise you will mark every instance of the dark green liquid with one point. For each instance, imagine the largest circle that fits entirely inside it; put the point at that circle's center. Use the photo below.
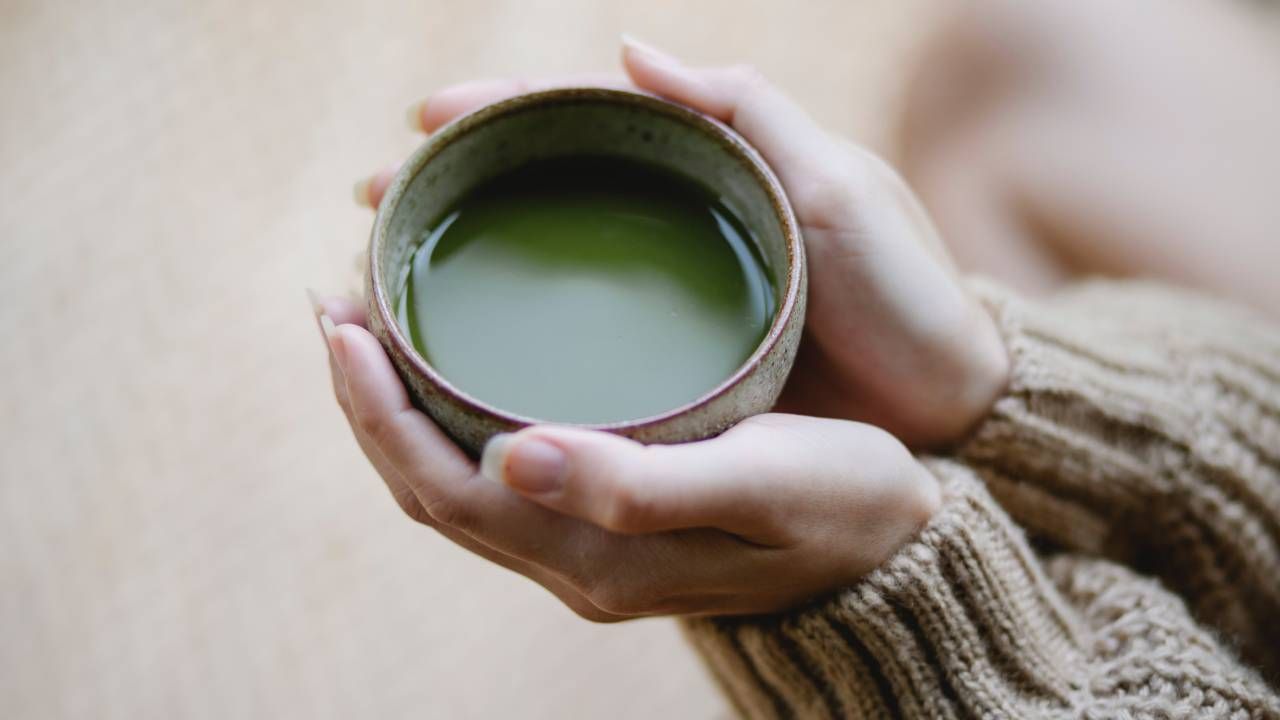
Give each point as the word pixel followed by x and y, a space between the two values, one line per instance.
pixel 587 290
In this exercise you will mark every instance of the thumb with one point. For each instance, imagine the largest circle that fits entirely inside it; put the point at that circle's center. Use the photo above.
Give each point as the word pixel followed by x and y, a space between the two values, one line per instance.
pixel 744 481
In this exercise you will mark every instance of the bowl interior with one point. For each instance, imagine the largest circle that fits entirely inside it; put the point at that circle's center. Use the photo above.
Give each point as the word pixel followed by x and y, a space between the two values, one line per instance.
pixel 589 121
pixel 595 122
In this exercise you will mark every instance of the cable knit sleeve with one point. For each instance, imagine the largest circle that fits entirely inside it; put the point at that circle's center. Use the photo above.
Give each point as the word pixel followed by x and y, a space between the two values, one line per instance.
pixel 1138 446
pixel 1142 424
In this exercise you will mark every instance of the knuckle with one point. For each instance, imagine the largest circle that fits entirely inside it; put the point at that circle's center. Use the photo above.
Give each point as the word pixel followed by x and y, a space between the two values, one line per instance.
pixel 630 510
pixel 853 174
pixel 591 613
pixel 448 512
pixel 344 402
pixel 832 192
pixel 380 427
pixel 374 425
pixel 412 508
pixel 582 579
pixel 623 597
pixel 873 173
pixel 747 77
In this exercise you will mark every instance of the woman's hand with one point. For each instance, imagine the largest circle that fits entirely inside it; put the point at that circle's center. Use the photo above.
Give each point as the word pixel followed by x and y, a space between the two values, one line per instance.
pixel 892 338
pixel 777 510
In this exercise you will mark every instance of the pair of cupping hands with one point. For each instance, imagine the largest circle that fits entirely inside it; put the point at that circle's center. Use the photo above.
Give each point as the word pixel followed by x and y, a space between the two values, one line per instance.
pixel 897 356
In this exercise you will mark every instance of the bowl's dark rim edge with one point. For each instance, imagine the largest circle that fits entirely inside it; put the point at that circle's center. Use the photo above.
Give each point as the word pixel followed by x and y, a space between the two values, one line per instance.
pixel 712 127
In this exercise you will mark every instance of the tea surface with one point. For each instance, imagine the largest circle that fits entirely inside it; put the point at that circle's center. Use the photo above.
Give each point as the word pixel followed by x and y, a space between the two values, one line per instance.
pixel 587 290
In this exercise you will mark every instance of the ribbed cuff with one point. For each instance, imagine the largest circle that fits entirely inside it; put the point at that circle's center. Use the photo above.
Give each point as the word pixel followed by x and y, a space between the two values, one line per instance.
pixel 1139 425
pixel 960 622
pixel 1100 413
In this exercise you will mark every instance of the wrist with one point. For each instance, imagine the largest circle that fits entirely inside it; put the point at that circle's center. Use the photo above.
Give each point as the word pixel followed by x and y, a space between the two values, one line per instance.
pixel 969 383
pixel 916 501
pixel 988 372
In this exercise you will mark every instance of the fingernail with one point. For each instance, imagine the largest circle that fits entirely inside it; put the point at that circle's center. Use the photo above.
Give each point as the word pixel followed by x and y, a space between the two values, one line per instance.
pixel 536 466
pixel 413 116
pixel 334 340
pixel 645 48
pixel 528 465
pixel 361 193
pixel 495 456
pixel 316 307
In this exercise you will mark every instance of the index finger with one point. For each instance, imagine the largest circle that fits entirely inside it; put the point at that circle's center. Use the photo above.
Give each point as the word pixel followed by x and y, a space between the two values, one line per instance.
pixel 445 481
pixel 791 142
pixel 451 102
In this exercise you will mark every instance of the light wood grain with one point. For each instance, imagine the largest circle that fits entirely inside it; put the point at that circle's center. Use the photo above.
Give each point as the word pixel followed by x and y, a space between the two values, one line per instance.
pixel 186 527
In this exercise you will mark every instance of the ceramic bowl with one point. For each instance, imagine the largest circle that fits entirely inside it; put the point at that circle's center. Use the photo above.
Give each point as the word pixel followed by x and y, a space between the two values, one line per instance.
pixel 572 121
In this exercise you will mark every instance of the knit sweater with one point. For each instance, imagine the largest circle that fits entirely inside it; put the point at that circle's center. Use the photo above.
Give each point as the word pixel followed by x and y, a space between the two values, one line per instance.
pixel 1108 544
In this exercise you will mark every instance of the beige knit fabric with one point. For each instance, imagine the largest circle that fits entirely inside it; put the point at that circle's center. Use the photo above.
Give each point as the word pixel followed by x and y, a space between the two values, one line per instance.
pixel 1109 544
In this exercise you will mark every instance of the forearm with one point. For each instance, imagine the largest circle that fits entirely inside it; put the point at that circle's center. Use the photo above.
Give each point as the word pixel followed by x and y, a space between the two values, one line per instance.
pixel 1143 425
pixel 966 621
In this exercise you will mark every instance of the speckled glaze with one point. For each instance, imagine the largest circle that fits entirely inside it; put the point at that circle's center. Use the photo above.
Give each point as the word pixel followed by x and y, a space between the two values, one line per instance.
pixel 507 134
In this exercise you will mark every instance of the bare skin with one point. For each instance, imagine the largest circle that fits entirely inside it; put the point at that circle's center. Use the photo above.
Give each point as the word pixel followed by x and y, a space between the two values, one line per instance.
pixel 776 510
pixel 1049 140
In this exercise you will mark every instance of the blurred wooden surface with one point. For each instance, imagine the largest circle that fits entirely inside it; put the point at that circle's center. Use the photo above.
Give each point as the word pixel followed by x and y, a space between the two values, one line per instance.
pixel 186 527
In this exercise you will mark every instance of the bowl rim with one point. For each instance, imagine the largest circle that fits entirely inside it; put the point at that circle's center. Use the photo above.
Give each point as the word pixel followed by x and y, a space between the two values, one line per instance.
pixel 714 129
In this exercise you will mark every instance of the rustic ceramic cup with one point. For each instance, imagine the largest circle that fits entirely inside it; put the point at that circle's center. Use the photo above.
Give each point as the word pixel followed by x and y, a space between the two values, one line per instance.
pixel 571 121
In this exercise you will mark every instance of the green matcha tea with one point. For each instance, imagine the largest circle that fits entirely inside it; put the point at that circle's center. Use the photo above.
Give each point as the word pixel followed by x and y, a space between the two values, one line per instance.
pixel 587 290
